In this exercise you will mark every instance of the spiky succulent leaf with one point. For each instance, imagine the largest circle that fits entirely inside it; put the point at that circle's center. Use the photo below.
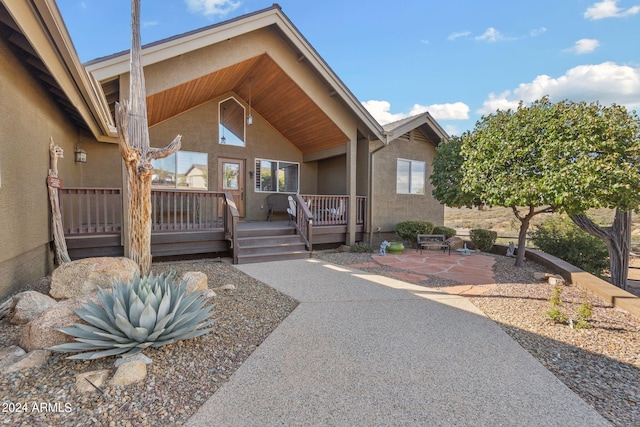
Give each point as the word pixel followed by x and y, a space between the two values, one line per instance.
pixel 148 318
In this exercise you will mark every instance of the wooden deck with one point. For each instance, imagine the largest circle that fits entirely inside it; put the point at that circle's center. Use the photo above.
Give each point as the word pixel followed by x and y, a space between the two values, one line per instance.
pixel 203 223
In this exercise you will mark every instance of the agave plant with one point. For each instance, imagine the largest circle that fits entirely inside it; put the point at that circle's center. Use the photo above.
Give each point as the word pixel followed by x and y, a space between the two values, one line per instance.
pixel 152 311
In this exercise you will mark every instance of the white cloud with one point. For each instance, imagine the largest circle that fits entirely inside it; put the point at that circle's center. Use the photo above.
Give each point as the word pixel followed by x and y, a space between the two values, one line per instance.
pixel 381 111
pixel 537 31
pixel 491 35
pixel 583 46
pixel 609 9
pixel 608 83
pixel 450 111
pixel 149 23
pixel 424 41
pixel 212 7
pixel 457 35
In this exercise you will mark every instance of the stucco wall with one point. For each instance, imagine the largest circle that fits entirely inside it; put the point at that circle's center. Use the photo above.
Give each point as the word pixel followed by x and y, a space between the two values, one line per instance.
pixel 331 175
pixel 388 207
pixel 30 117
pixel 199 130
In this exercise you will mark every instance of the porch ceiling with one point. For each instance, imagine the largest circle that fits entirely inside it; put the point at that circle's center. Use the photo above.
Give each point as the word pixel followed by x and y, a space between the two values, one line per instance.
pixel 274 96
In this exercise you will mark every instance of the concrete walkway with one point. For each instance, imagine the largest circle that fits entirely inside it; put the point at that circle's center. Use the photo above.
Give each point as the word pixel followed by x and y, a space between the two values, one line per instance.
pixel 367 350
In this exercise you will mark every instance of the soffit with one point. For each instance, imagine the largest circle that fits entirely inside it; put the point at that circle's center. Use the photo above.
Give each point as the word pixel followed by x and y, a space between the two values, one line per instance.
pixel 274 95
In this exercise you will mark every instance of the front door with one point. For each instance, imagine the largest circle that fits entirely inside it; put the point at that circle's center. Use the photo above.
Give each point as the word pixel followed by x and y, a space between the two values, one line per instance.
pixel 231 179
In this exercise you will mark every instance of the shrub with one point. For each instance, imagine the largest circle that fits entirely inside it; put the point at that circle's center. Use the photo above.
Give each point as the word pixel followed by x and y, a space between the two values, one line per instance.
pixel 361 247
pixel 408 230
pixel 483 239
pixel 560 237
pixel 149 312
pixel 555 313
pixel 441 229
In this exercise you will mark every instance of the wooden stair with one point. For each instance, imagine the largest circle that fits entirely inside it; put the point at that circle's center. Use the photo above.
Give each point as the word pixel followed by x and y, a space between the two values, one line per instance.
pixel 270 243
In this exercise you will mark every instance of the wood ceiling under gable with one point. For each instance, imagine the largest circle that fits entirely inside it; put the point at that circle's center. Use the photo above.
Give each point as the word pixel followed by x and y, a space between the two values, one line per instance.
pixel 274 96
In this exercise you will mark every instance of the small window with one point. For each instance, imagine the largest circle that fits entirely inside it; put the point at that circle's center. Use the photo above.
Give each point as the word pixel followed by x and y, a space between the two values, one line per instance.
pixel 231 120
pixel 183 169
pixel 410 177
pixel 277 176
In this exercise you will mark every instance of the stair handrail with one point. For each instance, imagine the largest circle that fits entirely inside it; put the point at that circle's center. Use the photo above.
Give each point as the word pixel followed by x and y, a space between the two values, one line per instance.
pixel 231 217
pixel 304 221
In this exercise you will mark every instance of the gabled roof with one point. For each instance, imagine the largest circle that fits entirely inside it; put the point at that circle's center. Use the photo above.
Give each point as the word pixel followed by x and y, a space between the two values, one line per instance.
pixel 305 124
pixel 39 34
pixel 423 121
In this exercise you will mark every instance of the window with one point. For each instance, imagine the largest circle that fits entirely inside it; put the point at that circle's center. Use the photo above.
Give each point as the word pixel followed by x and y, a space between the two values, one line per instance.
pixel 278 177
pixel 231 120
pixel 183 169
pixel 410 177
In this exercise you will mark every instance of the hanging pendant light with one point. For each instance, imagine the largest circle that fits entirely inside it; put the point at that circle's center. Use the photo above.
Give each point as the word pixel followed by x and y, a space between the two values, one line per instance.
pixel 250 117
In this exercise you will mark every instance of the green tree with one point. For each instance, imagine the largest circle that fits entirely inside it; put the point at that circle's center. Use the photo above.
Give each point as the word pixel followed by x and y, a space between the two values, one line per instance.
pixel 550 157
pixel 448 169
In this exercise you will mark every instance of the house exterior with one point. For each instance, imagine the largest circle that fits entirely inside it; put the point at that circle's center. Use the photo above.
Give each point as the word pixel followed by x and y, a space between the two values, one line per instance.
pixel 259 111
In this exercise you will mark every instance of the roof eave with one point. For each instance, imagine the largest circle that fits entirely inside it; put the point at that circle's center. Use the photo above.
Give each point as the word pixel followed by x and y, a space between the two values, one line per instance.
pixel 112 66
pixel 41 23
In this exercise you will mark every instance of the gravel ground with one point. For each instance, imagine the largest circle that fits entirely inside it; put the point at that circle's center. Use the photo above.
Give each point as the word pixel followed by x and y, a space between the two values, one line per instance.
pixel 601 364
pixel 181 377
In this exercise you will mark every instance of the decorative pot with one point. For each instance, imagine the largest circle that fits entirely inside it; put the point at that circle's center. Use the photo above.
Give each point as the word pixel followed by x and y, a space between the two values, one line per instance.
pixel 395 248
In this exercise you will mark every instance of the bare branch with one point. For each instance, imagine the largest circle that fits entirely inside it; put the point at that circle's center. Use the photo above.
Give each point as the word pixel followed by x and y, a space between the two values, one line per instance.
pixel 161 153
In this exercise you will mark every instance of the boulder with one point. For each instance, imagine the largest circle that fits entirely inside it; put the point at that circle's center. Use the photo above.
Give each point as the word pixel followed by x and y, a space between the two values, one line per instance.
pixel 539 275
pixel 29 305
pixel 33 359
pixel 129 373
pixel 455 243
pixel 556 280
pixel 10 355
pixel 83 276
pixel 196 281
pixel 126 359
pixel 97 378
pixel 41 333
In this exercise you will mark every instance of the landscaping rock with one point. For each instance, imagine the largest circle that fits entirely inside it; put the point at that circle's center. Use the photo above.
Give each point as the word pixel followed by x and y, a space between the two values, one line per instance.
pixel 556 280
pixel 196 281
pixel 228 287
pixel 455 243
pixel 83 276
pixel 209 293
pixel 33 359
pixel 97 378
pixel 539 275
pixel 10 355
pixel 125 359
pixel 129 373
pixel 29 305
pixel 41 333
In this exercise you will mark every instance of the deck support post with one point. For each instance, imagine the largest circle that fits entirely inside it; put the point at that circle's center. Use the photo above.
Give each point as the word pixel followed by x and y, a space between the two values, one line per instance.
pixel 352 167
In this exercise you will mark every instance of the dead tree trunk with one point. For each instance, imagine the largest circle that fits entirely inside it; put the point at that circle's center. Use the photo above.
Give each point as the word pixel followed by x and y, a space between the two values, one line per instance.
pixel 618 240
pixel 133 139
pixel 59 243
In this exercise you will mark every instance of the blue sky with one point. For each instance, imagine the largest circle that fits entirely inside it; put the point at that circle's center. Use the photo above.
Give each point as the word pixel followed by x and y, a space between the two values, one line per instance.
pixel 457 59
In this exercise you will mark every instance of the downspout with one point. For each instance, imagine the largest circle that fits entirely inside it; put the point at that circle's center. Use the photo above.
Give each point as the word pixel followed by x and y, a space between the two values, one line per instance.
pixel 385 143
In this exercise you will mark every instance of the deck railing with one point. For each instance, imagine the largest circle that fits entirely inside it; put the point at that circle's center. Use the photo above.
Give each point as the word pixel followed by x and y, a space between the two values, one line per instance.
pixel 91 210
pixel 181 210
pixel 334 210
pixel 99 210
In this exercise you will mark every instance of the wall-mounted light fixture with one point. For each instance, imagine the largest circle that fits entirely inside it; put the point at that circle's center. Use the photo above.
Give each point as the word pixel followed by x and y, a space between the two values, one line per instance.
pixel 251 174
pixel 250 117
pixel 79 153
